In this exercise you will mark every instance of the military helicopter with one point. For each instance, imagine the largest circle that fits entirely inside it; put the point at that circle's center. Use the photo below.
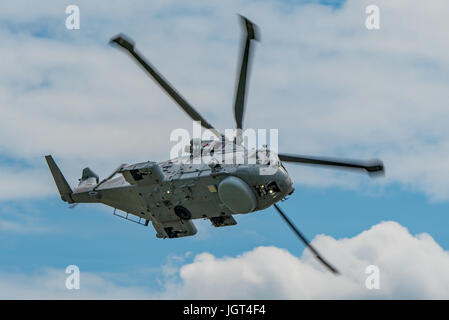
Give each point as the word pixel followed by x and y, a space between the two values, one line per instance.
pixel 173 193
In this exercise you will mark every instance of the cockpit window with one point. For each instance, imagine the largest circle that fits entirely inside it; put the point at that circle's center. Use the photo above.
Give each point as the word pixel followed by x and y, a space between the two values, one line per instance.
pixel 282 166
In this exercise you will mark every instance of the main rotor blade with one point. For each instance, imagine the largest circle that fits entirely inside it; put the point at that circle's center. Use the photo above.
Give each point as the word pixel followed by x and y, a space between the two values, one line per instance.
pixel 306 242
pixel 127 44
pixel 372 167
pixel 239 105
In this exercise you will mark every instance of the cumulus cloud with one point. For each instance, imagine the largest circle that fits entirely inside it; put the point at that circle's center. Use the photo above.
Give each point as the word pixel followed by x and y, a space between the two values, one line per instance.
pixel 347 91
pixel 411 267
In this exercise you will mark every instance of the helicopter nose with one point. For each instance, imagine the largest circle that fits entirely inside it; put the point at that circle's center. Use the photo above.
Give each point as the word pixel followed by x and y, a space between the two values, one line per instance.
pixel 285 182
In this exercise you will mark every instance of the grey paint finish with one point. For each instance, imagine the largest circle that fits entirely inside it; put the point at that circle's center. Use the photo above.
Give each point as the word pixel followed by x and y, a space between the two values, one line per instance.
pixel 151 191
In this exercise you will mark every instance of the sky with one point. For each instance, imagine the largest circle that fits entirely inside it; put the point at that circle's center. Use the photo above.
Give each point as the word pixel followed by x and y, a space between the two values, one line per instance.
pixel 327 83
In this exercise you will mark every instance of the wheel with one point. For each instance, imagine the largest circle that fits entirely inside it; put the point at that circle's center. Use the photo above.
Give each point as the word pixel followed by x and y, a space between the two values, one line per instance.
pixel 183 213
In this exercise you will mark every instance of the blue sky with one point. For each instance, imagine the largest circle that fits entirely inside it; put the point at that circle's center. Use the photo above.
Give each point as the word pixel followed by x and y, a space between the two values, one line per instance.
pixel 331 87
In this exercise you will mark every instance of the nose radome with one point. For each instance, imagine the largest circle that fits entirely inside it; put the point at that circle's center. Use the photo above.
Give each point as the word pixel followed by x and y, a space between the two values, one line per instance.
pixel 237 195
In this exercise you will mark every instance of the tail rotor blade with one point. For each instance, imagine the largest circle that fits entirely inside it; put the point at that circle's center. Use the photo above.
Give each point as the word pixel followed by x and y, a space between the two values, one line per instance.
pixel 306 242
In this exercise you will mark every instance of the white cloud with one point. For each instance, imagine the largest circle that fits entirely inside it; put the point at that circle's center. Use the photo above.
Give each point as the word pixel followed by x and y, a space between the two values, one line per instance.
pixel 330 85
pixel 50 284
pixel 24 183
pixel 410 267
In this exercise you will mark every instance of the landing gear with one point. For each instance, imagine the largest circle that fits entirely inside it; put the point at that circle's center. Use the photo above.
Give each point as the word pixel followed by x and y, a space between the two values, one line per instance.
pixel 183 213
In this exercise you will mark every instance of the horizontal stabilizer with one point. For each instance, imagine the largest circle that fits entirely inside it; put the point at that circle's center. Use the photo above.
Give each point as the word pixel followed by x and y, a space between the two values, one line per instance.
pixel 63 187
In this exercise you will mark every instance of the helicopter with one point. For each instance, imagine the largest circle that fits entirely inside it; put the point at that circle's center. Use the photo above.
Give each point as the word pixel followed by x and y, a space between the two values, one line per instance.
pixel 173 193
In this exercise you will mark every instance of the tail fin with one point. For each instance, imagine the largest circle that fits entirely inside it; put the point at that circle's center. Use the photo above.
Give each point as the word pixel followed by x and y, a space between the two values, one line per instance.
pixel 63 187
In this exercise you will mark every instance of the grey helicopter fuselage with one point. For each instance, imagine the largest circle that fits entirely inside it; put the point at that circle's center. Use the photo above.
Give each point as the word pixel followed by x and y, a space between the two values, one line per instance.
pixel 172 193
